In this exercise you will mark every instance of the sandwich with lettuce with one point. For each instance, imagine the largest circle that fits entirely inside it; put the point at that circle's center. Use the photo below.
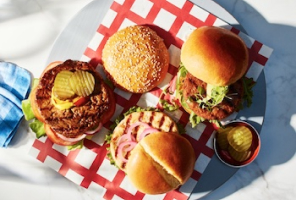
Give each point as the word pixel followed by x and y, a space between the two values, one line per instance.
pixel 211 82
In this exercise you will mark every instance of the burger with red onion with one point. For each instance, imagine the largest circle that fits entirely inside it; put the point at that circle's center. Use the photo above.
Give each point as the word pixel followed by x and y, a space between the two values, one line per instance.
pixel 69 102
pixel 148 147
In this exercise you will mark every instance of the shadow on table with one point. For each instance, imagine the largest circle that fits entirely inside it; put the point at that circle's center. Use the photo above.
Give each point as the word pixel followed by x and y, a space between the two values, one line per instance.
pixel 277 134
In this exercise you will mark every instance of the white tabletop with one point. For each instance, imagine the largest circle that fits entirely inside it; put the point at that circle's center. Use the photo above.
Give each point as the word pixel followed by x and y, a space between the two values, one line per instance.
pixel 28 30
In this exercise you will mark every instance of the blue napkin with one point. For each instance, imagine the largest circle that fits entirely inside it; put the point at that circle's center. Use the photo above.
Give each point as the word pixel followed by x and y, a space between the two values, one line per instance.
pixel 14 87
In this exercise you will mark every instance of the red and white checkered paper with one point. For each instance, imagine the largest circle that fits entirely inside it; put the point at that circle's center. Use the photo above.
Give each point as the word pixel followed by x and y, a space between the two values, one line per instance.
pixel 173 20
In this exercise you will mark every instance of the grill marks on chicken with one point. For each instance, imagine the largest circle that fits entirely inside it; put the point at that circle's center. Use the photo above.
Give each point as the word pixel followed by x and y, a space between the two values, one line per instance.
pixel 157 120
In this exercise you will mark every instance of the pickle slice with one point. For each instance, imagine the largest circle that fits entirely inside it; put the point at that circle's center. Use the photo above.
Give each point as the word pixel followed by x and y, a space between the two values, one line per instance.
pixel 240 138
pixel 239 156
pixel 61 88
pixel 82 83
pixel 222 137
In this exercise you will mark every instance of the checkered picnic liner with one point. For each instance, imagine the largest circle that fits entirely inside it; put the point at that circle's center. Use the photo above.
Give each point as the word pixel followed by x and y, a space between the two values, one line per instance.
pixel 173 20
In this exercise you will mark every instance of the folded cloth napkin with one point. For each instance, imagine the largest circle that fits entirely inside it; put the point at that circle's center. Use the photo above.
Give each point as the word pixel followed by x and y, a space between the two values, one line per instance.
pixel 14 87
pixel 15 79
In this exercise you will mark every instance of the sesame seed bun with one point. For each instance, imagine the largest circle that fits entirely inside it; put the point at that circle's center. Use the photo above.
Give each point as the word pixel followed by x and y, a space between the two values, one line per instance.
pixel 135 59
pixel 215 55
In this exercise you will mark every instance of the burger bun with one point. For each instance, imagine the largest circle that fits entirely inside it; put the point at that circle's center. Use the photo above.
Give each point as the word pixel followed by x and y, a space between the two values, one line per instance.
pixel 215 55
pixel 135 59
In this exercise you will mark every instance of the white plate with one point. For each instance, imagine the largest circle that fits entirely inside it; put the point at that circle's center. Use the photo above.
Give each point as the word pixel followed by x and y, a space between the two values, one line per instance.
pixel 74 39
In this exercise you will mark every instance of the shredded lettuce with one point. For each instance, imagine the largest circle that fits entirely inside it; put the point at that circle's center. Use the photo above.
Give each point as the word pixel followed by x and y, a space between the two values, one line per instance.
pixel 211 97
pixel 182 70
pixel 195 119
pixel 168 106
pixel 139 109
pixel 206 98
pixel 181 74
pixel 214 96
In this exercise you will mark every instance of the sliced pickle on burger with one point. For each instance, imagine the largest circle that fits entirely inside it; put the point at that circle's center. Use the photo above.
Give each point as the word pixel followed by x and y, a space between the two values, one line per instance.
pixel 61 88
pixel 240 138
pixel 82 83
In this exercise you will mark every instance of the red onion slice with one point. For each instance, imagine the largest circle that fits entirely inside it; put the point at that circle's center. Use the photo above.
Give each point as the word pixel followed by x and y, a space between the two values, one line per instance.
pixel 127 141
pixel 125 138
pixel 91 132
pixel 122 149
pixel 134 125
pixel 147 131
pixel 76 139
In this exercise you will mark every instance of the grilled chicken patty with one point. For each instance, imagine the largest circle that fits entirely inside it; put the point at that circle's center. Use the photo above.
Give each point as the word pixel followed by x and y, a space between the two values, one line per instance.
pixel 157 120
pixel 225 108
pixel 76 120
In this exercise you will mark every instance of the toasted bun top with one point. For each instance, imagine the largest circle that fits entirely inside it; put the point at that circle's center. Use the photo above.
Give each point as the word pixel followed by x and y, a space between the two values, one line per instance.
pixel 135 59
pixel 161 162
pixel 215 55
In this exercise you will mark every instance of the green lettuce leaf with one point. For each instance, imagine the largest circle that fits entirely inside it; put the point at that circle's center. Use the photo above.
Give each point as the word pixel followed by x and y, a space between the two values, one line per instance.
pixel 248 84
pixel 37 127
pixel 78 145
pixel 214 96
pixel 168 106
pixel 182 70
pixel 195 119
pixel 26 103
pixel 27 110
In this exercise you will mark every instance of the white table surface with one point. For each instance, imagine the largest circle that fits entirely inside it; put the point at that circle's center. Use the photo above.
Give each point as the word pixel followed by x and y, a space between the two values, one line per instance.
pixel 28 30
